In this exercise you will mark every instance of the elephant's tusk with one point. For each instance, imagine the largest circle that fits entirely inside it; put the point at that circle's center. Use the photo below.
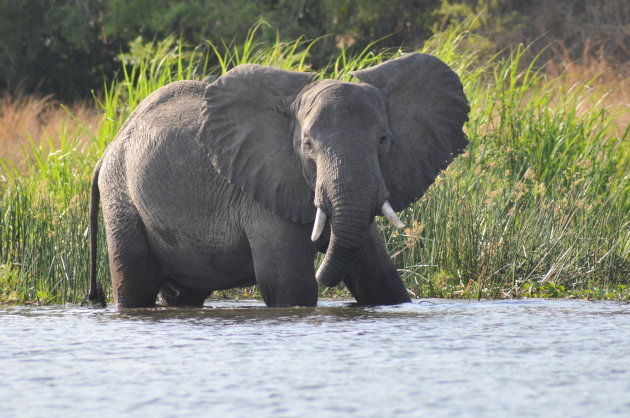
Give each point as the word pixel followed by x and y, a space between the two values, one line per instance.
pixel 389 213
pixel 318 227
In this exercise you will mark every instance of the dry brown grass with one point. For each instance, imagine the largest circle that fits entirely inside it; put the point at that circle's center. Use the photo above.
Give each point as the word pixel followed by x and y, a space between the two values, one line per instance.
pixel 608 79
pixel 41 119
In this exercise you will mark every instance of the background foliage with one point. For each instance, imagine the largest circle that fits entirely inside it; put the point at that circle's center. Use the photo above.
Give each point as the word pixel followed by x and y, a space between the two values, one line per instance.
pixel 67 47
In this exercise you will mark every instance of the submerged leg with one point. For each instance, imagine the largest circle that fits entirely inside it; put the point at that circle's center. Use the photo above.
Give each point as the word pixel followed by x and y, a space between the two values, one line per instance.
pixel 283 259
pixel 373 278
pixel 174 293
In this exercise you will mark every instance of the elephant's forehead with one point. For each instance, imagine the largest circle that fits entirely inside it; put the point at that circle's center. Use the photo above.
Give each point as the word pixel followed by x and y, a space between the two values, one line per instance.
pixel 330 100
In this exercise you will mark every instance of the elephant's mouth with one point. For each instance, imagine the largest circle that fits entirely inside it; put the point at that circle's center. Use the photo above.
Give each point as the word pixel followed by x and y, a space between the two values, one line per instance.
pixel 386 210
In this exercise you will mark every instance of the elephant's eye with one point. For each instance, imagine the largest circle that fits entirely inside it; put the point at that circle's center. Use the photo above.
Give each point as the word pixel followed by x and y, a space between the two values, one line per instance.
pixel 308 145
pixel 384 144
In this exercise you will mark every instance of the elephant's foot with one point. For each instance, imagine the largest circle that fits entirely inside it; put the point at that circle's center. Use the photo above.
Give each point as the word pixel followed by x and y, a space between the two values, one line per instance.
pixel 173 293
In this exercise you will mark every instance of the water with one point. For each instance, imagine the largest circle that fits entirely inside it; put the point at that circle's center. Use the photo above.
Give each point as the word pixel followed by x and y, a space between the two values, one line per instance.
pixel 238 358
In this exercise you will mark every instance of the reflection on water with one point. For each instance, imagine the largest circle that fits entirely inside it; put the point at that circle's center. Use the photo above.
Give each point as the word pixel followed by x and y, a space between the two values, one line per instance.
pixel 239 358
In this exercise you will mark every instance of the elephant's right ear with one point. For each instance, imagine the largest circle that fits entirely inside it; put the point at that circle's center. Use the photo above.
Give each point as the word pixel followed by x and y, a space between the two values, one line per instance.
pixel 246 129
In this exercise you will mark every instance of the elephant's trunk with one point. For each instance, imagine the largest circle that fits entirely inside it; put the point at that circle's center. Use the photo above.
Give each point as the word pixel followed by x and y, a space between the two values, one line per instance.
pixel 349 225
pixel 351 199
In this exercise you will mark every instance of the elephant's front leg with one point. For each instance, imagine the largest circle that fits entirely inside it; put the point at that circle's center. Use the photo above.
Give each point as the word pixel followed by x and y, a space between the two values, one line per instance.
pixel 373 278
pixel 283 260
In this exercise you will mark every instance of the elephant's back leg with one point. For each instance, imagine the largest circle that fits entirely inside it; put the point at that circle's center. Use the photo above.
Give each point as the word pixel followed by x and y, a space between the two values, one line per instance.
pixel 134 268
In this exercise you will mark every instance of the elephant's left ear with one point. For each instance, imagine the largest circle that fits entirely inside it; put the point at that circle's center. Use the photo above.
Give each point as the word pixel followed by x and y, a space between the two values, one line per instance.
pixel 246 129
pixel 427 109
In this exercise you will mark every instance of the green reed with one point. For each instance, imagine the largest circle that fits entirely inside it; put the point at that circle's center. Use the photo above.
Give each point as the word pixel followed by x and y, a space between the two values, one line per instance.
pixel 537 205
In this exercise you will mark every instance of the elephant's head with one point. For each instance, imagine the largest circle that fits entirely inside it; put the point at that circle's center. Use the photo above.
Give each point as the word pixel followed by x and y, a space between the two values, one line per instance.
pixel 343 151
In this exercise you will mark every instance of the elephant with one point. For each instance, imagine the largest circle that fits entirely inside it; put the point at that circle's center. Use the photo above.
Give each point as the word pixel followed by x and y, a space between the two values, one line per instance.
pixel 242 181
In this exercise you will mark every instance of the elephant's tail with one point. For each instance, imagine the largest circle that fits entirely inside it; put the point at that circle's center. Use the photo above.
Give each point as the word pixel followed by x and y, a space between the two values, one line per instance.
pixel 96 296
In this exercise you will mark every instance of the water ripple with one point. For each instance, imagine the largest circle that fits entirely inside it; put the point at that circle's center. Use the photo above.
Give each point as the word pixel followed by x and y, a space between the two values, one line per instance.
pixel 239 358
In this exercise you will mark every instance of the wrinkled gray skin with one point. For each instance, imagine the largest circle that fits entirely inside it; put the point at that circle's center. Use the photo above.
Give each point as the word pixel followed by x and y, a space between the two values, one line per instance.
pixel 215 186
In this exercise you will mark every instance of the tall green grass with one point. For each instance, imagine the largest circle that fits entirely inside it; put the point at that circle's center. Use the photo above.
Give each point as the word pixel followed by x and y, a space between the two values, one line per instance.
pixel 538 205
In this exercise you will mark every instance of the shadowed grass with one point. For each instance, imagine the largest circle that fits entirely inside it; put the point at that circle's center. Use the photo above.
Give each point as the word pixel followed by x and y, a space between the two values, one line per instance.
pixel 538 204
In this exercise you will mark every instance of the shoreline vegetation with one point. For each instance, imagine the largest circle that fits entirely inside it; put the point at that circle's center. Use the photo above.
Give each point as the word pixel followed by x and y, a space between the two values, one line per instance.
pixel 537 206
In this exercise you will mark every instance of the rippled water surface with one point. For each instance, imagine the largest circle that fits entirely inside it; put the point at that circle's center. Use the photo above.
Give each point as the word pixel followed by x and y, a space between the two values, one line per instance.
pixel 239 358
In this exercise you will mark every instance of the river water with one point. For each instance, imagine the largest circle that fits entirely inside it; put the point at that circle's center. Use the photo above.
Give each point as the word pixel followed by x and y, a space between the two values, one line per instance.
pixel 433 358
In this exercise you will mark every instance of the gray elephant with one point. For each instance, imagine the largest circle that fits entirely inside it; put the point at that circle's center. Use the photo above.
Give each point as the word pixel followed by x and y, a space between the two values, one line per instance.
pixel 241 181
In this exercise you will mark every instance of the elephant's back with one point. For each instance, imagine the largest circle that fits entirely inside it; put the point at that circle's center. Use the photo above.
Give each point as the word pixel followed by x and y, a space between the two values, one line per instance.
pixel 175 105
pixel 158 137
pixel 166 115
pixel 187 207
